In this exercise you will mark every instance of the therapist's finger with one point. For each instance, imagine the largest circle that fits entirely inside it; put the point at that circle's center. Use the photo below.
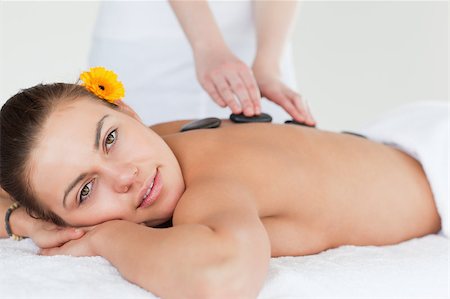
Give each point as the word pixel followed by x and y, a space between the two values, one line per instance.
pixel 293 111
pixel 309 111
pixel 298 104
pixel 240 90
pixel 278 97
pixel 301 106
pixel 253 90
pixel 308 108
pixel 224 91
pixel 286 103
pixel 211 90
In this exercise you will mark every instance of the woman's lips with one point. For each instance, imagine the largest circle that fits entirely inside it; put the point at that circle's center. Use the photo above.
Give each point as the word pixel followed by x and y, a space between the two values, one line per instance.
pixel 155 191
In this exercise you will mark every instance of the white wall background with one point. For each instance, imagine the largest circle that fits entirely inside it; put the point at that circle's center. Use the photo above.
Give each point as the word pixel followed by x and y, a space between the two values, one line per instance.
pixel 353 59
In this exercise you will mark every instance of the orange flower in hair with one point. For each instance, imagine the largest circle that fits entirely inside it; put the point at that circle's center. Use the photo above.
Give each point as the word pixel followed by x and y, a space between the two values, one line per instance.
pixel 103 83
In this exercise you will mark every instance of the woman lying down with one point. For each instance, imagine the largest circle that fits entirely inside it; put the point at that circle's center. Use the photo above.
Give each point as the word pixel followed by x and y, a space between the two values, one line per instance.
pixel 236 195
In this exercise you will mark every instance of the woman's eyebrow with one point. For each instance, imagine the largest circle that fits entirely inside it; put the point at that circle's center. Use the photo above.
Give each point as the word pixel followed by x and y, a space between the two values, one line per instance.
pixel 98 132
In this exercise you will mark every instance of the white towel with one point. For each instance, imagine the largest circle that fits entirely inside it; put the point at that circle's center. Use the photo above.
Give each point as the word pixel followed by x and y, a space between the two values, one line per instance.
pixel 422 130
pixel 414 269
pixel 417 268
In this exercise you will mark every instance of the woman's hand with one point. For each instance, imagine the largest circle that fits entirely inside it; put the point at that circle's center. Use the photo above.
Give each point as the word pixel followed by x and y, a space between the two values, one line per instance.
pixel 47 235
pixel 82 246
pixel 43 233
pixel 273 89
pixel 227 80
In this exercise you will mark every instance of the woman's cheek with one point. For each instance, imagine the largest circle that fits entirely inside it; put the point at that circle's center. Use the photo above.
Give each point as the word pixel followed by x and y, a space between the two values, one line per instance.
pixel 106 204
pixel 108 211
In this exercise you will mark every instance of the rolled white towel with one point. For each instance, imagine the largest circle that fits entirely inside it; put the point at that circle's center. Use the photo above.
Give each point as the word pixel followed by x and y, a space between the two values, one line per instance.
pixel 422 130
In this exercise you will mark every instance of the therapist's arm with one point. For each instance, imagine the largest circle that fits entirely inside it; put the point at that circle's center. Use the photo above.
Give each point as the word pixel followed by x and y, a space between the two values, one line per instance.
pixel 274 24
pixel 221 74
pixel 198 24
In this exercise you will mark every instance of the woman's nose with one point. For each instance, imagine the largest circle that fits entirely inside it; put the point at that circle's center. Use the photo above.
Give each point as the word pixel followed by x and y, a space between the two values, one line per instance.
pixel 122 177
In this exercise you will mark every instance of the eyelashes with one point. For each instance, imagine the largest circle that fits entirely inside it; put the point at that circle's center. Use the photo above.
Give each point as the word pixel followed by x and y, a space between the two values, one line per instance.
pixel 86 191
pixel 84 194
pixel 110 139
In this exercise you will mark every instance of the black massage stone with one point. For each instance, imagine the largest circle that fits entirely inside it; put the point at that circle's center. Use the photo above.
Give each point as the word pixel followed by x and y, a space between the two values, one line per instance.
pixel 241 118
pixel 205 123
pixel 353 133
pixel 294 122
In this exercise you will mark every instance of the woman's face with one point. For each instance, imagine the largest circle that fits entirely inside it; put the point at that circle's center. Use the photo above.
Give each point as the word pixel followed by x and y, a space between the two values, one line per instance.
pixel 94 164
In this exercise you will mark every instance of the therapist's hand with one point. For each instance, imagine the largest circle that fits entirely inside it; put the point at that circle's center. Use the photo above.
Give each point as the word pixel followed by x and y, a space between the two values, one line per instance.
pixel 228 81
pixel 272 88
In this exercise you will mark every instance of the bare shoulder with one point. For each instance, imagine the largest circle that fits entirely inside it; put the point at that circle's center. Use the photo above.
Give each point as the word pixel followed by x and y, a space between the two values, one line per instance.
pixel 217 202
pixel 172 127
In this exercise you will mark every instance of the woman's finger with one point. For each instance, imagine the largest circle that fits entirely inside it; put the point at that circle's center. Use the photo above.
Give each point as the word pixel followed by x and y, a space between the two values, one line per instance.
pixel 61 236
pixel 49 251
pixel 224 91
pixel 253 90
pixel 240 90
pixel 87 228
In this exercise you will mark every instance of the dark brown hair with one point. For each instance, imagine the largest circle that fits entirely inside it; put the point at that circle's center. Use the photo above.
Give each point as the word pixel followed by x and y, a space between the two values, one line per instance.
pixel 22 118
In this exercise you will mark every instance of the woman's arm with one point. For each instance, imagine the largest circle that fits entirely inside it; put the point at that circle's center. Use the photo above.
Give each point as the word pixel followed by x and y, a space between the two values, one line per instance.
pixel 220 250
pixel 185 261
pixel 44 234
pixel 19 219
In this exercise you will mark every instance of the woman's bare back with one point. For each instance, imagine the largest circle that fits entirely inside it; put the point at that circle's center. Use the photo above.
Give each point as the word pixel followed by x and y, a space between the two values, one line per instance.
pixel 313 189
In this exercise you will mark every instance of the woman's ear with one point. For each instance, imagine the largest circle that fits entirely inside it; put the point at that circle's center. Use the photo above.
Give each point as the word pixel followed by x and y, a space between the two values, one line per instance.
pixel 128 110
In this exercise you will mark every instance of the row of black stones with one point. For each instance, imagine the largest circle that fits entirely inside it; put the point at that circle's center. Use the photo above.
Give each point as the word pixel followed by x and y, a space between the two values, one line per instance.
pixel 214 122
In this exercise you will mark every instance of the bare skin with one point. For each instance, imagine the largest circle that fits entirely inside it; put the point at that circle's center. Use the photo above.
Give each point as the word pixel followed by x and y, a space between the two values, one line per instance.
pixel 238 195
pixel 313 190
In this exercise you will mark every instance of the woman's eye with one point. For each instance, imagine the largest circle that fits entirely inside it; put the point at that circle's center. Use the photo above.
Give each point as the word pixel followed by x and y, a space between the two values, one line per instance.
pixel 85 192
pixel 87 189
pixel 110 139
